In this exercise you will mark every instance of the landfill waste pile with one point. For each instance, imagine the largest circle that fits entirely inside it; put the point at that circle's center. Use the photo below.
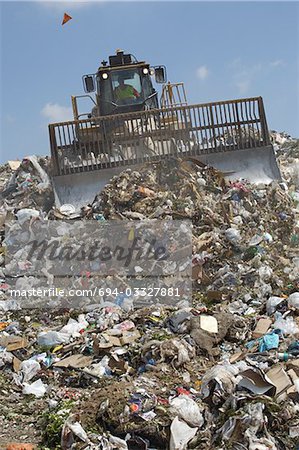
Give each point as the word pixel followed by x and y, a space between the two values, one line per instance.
pixel 26 184
pixel 218 372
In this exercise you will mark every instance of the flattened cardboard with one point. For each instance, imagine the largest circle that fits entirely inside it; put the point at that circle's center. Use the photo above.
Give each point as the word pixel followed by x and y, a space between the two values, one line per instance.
pixel 278 376
pixel 107 341
pixel 16 364
pixel 130 336
pixel 262 327
pixel 293 364
pixel 293 391
pixel 237 357
pixel 12 343
pixel 75 361
pixel 257 382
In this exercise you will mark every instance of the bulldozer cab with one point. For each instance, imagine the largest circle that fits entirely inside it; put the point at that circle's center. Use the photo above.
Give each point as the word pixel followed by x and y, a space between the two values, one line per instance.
pixel 124 90
pixel 124 85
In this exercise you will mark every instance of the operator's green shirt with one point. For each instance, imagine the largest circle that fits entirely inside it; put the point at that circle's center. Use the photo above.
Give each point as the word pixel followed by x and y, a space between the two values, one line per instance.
pixel 127 91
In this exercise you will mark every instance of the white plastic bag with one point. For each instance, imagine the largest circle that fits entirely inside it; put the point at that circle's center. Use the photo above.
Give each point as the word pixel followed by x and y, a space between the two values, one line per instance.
pixel 99 369
pixel 181 434
pixel 70 330
pixel 224 377
pixel 272 303
pixel 265 273
pixel 293 300
pixel 287 326
pixel 118 443
pixel 5 357
pixel 51 338
pixel 38 388
pixel 10 305
pixel 73 327
pixel 78 431
pixel 70 429
pixel 26 214
pixel 187 409
pixel 29 369
pixel 233 235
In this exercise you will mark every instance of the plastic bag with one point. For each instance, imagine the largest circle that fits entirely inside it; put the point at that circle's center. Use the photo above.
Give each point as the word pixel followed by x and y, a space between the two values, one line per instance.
pixel 29 369
pixel 118 443
pixel 5 357
pixel 111 443
pixel 265 273
pixel 38 388
pixel 263 289
pixel 10 305
pixel 293 348
pixel 70 429
pixel 26 214
pixel 268 237
pixel 287 326
pixel 51 338
pixel 233 235
pixel 272 303
pixel 181 434
pixel 269 341
pixel 224 380
pixel 99 369
pixel 73 327
pixel 293 300
pixel 187 409
pixel 78 430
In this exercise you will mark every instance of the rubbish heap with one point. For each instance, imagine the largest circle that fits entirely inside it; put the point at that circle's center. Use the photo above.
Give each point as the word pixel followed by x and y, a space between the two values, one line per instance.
pixel 219 372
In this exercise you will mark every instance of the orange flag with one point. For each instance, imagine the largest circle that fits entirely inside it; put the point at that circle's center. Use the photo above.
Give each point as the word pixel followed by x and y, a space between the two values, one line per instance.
pixel 66 18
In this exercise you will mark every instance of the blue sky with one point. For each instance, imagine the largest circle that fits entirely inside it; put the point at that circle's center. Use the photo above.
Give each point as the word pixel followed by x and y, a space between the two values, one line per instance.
pixel 221 50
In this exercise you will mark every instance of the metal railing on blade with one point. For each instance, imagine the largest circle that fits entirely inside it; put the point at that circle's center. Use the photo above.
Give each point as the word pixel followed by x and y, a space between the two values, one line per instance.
pixel 126 139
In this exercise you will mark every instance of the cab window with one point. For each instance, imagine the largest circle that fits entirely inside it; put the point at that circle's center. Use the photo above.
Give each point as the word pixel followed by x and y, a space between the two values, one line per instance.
pixel 129 77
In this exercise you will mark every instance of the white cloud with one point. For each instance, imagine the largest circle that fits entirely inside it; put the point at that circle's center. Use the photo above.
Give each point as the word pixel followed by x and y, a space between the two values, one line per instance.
pixel 57 113
pixel 277 63
pixel 244 75
pixel 202 72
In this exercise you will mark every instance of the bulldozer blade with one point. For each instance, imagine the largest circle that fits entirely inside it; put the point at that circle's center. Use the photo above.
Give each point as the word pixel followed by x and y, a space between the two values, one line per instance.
pixel 231 136
pixel 257 165
pixel 79 189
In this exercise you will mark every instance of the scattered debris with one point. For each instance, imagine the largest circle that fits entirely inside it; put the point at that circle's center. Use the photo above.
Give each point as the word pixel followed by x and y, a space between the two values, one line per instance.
pixel 219 372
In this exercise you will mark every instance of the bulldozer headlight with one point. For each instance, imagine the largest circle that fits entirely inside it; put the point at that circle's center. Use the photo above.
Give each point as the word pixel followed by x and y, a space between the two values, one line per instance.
pixel 152 71
pixel 145 71
pixel 105 76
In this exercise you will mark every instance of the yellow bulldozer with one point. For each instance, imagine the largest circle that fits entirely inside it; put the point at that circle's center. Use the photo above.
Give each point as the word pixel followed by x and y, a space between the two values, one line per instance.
pixel 128 125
